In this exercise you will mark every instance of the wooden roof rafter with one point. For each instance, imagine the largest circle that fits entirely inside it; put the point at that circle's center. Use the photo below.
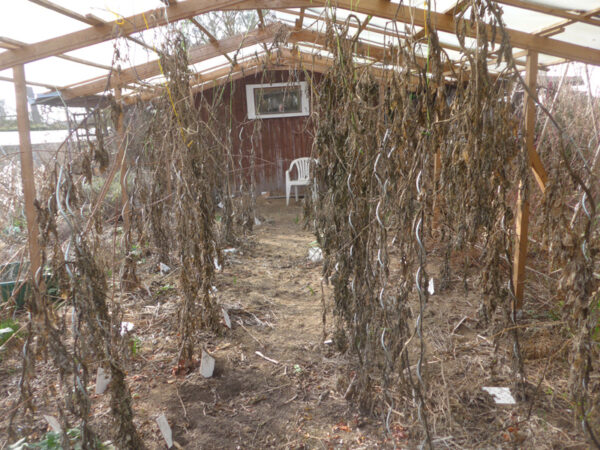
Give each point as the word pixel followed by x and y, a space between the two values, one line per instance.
pixel 211 38
pixel 388 33
pixel 89 19
pixel 32 83
pixel 12 44
pixel 560 27
pixel 452 11
pixel 540 8
pixel 377 8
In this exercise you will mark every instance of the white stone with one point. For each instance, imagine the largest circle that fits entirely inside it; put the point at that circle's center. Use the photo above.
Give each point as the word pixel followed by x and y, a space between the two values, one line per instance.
pixel 315 254
pixel 102 381
pixel 207 365
pixel 165 429
pixel 226 318
pixel 164 269
pixel 126 327
pixel 53 423
pixel 502 395
pixel 431 287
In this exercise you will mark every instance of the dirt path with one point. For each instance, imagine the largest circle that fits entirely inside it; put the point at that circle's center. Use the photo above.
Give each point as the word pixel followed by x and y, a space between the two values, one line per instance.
pixel 274 294
pixel 296 401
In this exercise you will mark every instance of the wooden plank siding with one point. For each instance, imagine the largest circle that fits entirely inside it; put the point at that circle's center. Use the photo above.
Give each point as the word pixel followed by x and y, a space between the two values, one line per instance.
pixel 277 141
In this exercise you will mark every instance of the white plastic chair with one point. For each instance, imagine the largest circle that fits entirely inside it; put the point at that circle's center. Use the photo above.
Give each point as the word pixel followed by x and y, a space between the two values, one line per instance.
pixel 303 168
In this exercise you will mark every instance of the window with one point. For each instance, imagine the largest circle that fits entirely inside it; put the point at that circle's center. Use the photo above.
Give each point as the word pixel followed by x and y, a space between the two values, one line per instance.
pixel 268 101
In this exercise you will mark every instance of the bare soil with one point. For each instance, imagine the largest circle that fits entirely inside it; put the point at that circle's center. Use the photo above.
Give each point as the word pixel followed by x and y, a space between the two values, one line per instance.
pixel 274 297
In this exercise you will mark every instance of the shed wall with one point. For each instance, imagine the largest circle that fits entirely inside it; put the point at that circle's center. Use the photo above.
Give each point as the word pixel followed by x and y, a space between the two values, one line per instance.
pixel 277 141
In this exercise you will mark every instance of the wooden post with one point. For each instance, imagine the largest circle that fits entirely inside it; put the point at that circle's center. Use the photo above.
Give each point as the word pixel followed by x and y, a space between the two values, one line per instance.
pixel 27 170
pixel 522 224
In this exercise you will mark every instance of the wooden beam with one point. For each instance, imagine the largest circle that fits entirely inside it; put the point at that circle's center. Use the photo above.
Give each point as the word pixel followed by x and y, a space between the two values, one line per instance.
pixel 538 7
pixel 211 38
pixel 209 35
pixel 351 23
pixel 12 44
pixel 522 223
pixel 443 22
pixel 89 19
pixel 378 8
pixel 452 11
pixel 362 49
pixel 123 27
pixel 143 44
pixel 261 19
pixel 151 69
pixel 300 19
pixel 27 177
pixel 560 26
pixel 31 83
pixel 364 25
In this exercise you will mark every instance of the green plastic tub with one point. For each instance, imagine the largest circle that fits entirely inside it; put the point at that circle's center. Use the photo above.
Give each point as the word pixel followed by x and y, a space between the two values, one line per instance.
pixel 11 282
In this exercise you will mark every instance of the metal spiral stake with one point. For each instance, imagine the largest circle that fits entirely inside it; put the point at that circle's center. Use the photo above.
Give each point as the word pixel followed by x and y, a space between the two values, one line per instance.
pixel 382 263
pixel 419 275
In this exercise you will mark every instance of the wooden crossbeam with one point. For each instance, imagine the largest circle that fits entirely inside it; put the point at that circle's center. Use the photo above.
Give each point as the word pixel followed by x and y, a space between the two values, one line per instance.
pixel 363 49
pixel 209 35
pixel 211 38
pixel 31 83
pixel 90 19
pixel 300 19
pixel 560 26
pixel 12 44
pixel 261 24
pixel 364 25
pixel 351 23
pixel 452 11
pixel 261 19
pixel 538 7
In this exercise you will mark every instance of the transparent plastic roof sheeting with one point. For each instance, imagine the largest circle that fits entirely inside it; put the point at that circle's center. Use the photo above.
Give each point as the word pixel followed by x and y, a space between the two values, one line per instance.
pixel 30 23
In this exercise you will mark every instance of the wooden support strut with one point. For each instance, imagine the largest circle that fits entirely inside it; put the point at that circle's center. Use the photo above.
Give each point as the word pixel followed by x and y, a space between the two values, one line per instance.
pixel 27 177
pixel 522 223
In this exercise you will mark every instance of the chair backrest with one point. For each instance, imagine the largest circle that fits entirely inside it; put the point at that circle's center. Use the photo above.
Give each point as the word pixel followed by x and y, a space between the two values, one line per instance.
pixel 303 167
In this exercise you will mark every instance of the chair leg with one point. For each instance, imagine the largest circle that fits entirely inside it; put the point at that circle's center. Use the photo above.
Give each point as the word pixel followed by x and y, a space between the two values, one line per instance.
pixel 296 188
pixel 287 194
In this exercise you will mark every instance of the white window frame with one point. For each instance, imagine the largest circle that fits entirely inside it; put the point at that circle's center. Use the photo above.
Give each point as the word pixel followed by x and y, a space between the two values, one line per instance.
pixel 252 113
